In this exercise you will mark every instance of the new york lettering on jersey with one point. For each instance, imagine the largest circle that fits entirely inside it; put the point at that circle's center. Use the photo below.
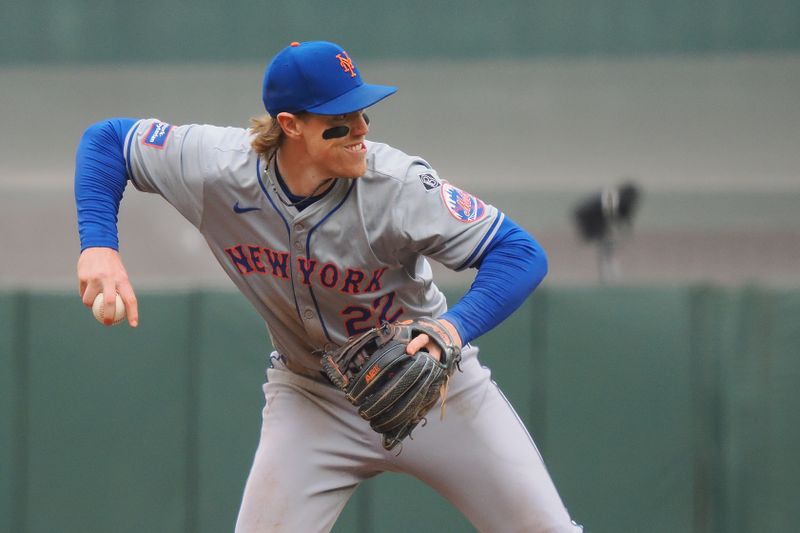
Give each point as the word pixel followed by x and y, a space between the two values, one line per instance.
pixel 249 259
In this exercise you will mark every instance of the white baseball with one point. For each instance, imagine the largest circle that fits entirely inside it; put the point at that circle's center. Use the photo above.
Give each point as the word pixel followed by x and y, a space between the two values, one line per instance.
pixel 98 309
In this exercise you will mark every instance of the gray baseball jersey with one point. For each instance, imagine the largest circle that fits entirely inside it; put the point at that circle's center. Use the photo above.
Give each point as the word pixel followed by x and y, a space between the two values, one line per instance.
pixel 350 260
pixel 339 267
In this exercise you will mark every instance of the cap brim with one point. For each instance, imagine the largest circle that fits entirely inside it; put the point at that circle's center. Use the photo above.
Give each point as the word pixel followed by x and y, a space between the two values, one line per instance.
pixel 356 99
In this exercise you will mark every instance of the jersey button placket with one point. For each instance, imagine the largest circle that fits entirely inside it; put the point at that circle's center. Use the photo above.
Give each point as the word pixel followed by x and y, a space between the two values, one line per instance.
pixel 302 294
pixel 298 241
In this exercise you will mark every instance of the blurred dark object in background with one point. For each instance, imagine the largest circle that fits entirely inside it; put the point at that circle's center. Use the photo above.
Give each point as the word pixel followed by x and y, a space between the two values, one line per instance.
pixel 600 214
pixel 605 217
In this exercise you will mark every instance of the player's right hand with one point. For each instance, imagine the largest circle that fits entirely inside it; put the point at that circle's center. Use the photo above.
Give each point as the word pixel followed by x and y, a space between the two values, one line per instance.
pixel 100 270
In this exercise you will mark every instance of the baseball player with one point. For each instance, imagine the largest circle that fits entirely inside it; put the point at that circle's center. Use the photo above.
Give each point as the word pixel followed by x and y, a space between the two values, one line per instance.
pixel 327 235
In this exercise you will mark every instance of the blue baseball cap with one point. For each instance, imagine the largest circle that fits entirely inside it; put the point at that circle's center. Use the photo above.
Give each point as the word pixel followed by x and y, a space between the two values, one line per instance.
pixel 319 77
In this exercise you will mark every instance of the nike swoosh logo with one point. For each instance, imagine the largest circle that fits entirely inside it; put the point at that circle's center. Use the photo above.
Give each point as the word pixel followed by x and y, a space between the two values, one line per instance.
pixel 240 210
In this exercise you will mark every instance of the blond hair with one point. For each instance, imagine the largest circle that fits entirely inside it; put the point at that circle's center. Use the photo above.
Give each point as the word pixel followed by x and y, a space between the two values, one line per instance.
pixel 267 135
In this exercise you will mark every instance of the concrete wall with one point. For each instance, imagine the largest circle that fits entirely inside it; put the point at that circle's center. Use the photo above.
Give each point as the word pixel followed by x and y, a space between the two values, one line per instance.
pixel 711 140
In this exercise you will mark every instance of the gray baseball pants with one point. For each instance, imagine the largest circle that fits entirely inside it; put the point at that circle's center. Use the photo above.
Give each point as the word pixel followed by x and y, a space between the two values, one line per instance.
pixel 315 449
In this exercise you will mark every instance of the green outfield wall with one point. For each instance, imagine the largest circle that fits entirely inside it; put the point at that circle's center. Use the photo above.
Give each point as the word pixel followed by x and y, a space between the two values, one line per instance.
pixel 208 30
pixel 658 409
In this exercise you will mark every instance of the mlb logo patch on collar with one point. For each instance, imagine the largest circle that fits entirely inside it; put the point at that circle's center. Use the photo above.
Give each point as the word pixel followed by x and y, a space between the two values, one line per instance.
pixel 157 135
pixel 462 205
pixel 429 181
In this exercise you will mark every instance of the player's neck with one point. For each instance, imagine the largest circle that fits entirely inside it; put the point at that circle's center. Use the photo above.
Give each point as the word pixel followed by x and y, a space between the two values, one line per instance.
pixel 301 178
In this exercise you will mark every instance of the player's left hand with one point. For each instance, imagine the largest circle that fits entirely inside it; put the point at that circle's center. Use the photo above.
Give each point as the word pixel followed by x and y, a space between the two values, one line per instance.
pixel 424 342
pixel 392 389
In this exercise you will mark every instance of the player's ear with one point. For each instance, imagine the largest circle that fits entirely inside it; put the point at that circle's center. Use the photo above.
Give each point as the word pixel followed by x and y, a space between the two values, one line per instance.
pixel 290 124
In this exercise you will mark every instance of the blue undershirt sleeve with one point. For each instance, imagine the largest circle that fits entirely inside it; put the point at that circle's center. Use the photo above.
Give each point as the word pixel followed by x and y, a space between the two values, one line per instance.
pixel 100 179
pixel 509 270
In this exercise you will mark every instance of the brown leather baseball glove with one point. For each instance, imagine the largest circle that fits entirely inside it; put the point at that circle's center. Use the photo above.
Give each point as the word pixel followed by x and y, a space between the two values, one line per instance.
pixel 393 390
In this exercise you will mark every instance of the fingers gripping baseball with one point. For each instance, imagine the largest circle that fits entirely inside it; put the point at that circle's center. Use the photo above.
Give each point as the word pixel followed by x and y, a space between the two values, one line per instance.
pixel 100 270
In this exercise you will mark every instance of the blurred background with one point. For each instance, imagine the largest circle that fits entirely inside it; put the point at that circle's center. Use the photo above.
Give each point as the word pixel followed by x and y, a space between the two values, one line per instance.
pixel 656 367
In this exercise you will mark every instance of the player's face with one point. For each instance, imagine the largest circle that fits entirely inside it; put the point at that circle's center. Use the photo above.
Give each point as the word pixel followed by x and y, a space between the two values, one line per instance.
pixel 335 143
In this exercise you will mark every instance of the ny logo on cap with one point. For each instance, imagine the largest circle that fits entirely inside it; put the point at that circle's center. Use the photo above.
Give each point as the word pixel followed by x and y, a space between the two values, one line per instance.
pixel 346 63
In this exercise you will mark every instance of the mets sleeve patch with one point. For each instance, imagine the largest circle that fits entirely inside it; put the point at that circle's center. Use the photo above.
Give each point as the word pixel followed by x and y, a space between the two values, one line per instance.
pixel 157 135
pixel 462 205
